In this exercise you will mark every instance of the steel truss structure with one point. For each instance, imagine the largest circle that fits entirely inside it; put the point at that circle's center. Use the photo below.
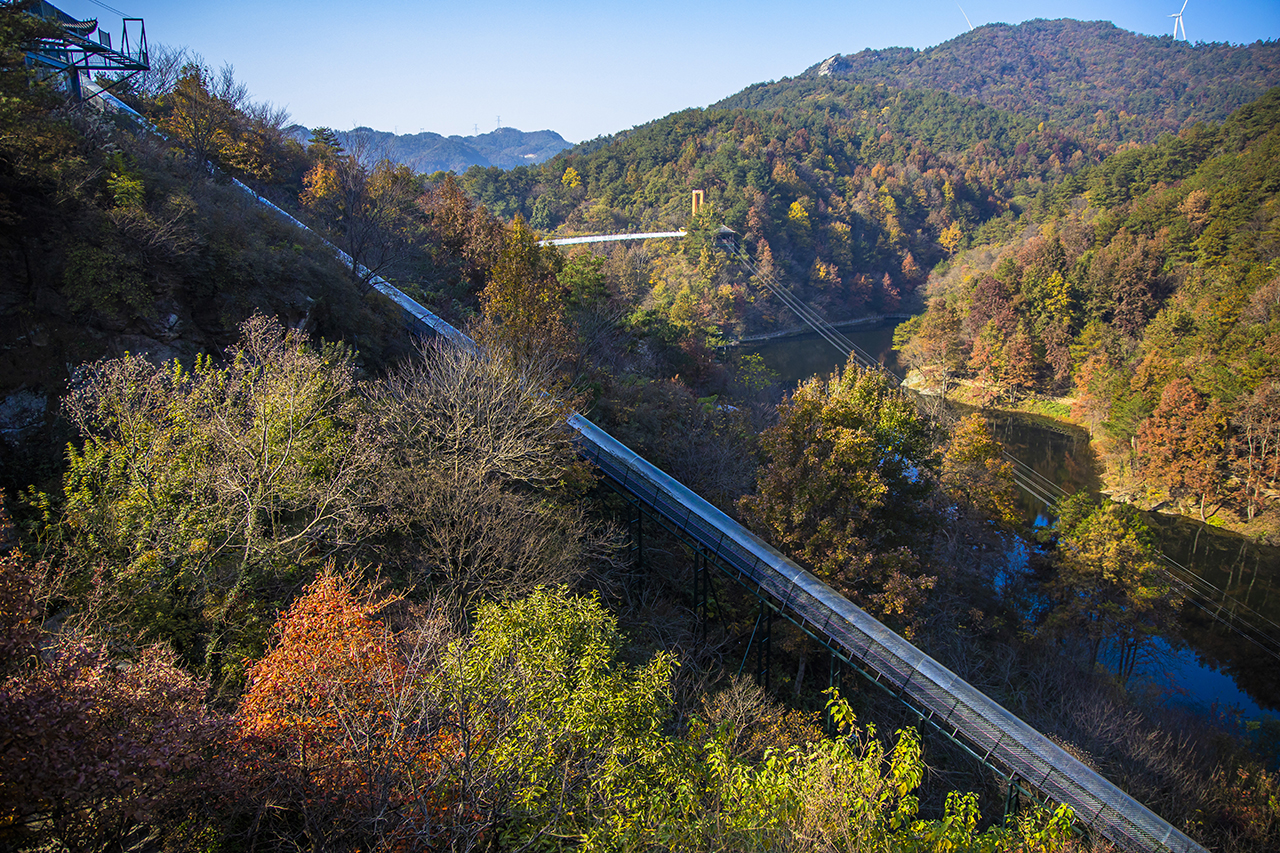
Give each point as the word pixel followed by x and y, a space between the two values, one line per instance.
pixel 74 53
pixel 1030 762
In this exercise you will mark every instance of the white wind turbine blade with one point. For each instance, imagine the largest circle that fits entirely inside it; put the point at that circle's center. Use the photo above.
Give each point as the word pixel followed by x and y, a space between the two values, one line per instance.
pixel 966 17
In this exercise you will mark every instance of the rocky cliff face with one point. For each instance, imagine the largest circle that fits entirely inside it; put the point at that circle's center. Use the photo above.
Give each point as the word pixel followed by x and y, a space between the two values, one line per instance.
pixel 42 351
pixel 59 310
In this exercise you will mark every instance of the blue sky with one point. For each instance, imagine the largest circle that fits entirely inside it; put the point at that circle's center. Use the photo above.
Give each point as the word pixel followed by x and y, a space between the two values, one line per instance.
pixel 580 68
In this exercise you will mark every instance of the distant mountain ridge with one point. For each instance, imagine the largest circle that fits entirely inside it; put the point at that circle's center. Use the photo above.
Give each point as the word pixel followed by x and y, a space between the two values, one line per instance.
pixel 1091 76
pixel 429 152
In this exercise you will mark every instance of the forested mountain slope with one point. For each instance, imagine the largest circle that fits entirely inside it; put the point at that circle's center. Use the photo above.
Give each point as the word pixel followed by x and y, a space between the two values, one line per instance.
pixel 109 243
pixel 300 592
pixel 1149 290
pixel 1103 266
pixel 847 192
pixel 853 180
pixel 1090 76
pixel 290 594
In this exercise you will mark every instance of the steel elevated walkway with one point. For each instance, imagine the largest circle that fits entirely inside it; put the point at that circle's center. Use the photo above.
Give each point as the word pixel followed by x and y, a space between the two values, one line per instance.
pixel 939 696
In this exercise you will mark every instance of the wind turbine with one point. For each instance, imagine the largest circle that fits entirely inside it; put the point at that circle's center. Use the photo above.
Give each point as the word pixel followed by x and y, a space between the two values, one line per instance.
pixel 966 17
pixel 1177 22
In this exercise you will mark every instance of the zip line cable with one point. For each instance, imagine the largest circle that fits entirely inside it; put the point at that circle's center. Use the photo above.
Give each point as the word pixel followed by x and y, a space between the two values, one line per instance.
pixel 110 9
pixel 1027 478
pixel 1206 586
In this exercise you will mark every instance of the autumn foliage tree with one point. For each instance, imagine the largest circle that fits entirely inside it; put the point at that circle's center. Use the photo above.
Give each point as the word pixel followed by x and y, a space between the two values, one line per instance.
pixel 524 301
pixel 331 659
pixel 933 347
pixel 329 714
pixel 201 491
pixel 366 203
pixel 19 613
pixel 842 488
pixel 102 753
pixel 203 110
pixel 1255 460
pixel 1182 445
pixel 462 239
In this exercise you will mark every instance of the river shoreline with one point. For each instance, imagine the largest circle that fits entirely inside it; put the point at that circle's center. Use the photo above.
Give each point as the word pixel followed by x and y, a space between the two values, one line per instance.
pixel 1117 485
pixel 1216 666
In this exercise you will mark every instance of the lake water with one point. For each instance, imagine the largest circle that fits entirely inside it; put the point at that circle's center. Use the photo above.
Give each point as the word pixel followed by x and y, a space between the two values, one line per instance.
pixel 1226 655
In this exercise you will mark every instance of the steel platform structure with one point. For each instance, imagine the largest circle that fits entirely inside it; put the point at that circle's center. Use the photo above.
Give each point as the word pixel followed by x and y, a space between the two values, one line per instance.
pixel 73 52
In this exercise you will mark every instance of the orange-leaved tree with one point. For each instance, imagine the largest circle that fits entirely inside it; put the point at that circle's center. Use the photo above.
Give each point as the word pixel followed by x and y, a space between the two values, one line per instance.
pixel 1182 445
pixel 335 714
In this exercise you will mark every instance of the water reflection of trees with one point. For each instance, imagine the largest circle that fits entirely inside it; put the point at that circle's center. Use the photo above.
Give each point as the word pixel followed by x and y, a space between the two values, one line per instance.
pixel 1236 630
pixel 1253 670
pixel 1059 453
pixel 1062 454
pixel 1244 571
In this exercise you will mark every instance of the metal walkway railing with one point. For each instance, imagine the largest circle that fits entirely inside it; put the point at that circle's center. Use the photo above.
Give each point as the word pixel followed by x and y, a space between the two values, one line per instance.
pixel 938 695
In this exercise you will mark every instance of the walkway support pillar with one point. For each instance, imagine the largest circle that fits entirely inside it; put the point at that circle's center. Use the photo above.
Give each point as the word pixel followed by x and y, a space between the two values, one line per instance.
pixel 637 536
pixel 764 648
pixel 1011 800
pixel 835 681
pixel 700 580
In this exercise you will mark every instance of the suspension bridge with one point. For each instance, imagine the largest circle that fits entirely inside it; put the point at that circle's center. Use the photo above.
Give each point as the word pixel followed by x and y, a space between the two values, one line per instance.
pixel 1030 762
pixel 609 238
